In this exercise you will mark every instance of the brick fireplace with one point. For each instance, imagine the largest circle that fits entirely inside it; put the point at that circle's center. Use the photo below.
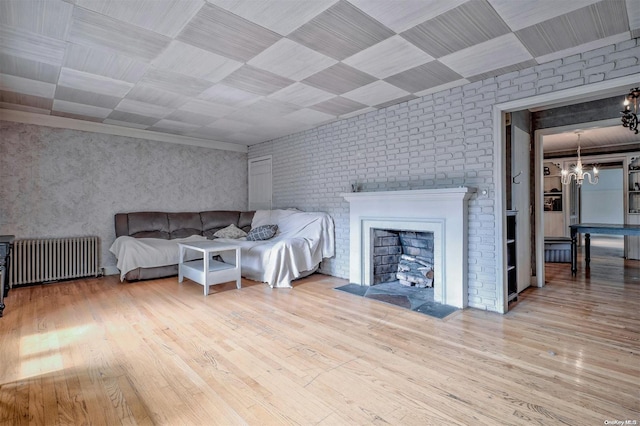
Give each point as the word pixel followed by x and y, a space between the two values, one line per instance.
pixel 440 212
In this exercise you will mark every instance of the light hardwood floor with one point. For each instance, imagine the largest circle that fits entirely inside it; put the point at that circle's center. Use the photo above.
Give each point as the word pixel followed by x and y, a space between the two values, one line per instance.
pixel 101 352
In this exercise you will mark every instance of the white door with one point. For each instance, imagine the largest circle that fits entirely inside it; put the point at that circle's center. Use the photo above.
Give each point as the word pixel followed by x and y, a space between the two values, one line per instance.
pixel 260 188
pixel 521 202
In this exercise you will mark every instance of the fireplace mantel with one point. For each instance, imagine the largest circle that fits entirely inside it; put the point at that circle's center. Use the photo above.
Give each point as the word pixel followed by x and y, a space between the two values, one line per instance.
pixel 461 193
pixel 443 211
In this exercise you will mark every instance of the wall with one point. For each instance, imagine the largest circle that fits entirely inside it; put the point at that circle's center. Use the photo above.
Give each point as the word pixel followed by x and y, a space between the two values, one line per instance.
pixel 440 140
pixel 58 182
pixel 604 202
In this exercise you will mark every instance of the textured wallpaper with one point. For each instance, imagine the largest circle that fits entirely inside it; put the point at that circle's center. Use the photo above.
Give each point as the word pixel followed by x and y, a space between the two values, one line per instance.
pixel 59 183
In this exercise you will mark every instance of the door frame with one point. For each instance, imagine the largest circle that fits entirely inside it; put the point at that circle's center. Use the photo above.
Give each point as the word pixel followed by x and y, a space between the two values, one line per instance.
pixel 572 95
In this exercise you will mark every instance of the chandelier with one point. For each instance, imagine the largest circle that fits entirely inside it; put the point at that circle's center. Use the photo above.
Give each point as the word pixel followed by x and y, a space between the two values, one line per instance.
pixel 630 118
pixel 577 172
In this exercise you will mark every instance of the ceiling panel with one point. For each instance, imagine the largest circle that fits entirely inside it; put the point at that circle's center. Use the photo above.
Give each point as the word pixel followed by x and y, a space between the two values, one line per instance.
pixel 26 68
pixel 401 17
pixel 394 101
pixel 338 106
pixel 82 117
pixel 281 16
pixel 301 94
pixel 190 117
pixel 95 30
pixel 424 77
pixel 341 31
pixel 25 100
pixel 229 96
pixel 399 55
pixel 143 108
pixel 45 17
pixel 155 96
pixel 506 50
pixel 276 66
pixel 130 117
pixel 229 125
pixel 27 86
pixel 522 14
pixel 581 26
pixel 210 109
pixel 633 11
pixel 177 126
pixel 80 109
pixel 177 83
pixel 255 80
pixel 93 83
pixel 376 93
pixel 88 98
pixel 189 60
pixel 104 62
pixel 226 34
pixel 30 45
pixel 291 60
pixel 309 116
pixel 339 79
pixel 468 24
pixel 165 17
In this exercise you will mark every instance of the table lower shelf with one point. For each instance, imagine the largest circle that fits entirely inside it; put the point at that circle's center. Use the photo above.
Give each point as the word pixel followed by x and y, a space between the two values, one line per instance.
pixel 214 265
pixel 218 273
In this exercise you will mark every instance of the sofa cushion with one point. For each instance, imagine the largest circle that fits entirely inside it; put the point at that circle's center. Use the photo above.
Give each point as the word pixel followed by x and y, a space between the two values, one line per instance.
pixel 182 225
pixel 263 232
pixel 215 220
pixel 244 222
pixel 230 231
pixel 149 225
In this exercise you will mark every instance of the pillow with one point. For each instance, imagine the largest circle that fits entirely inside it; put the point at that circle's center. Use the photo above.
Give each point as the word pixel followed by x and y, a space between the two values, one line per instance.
pixel 263 232
pixel 230 231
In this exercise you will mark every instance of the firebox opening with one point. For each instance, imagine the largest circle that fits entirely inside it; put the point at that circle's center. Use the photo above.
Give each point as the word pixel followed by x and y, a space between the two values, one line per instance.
pixel 404 256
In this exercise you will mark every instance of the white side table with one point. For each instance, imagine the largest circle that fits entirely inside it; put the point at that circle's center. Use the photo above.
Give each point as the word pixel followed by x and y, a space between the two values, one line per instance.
pixel 207 271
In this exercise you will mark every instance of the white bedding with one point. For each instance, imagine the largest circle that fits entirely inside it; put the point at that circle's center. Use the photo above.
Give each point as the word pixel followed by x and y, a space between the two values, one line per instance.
pixel 133 253
pixel 302 241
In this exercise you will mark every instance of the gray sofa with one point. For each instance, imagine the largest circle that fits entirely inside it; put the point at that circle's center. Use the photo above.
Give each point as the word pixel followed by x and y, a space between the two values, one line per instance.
pixel 175 225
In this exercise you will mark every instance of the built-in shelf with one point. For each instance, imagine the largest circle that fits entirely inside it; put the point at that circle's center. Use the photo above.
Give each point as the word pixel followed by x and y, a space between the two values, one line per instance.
pixel 512 254
pixel 632 243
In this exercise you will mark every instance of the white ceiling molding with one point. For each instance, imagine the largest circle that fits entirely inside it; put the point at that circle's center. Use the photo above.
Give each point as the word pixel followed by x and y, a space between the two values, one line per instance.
pixel 109 129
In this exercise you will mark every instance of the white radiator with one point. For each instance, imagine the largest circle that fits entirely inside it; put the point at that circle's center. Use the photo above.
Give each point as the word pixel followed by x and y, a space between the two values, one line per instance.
pixel 51 259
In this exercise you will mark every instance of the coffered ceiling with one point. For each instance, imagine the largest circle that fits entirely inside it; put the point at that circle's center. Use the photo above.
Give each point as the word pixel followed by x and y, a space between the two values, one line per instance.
pixel 246 71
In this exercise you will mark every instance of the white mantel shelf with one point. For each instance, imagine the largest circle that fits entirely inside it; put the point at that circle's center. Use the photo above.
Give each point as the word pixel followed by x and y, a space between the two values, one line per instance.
pixel 443 211
pixel 462 192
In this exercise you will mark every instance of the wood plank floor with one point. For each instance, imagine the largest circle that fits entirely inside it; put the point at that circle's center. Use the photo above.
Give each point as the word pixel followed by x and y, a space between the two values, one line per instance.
pixel 97 351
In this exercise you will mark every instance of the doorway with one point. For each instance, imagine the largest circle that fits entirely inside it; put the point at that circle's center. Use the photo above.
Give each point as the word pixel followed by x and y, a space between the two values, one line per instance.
pixel 260 183
pixel 548 100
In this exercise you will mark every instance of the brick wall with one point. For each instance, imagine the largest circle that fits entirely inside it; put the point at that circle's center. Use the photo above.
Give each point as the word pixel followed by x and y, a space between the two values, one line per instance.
pixel 440 140
pixel 386 255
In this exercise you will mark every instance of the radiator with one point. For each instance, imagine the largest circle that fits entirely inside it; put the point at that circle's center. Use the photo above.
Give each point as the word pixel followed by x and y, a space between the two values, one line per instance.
pixel 52 259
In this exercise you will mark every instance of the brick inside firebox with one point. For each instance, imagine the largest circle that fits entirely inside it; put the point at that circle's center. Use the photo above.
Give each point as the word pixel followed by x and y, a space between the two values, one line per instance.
pixel 389 245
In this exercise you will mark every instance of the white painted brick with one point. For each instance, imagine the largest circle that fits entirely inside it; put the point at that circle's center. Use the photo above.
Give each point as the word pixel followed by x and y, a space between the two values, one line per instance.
pixel 442 139
pixel 623 71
